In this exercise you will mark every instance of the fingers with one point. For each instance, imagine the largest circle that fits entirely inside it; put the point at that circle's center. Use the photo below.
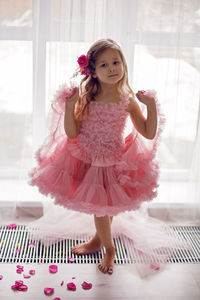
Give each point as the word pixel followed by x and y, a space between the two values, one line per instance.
pixel 140 93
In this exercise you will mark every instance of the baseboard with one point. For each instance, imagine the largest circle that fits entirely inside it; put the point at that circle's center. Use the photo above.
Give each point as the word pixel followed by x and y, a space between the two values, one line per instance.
pixel 183 212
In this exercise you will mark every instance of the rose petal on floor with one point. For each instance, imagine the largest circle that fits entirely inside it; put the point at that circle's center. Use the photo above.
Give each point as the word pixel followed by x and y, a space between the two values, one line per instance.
pixel 19 285
pixel 48 291
pixel 19 271
pixel 12 226
pixel 71 286
pixel 53 269
pixel 26 276
pixel 32 272
pixel 86 286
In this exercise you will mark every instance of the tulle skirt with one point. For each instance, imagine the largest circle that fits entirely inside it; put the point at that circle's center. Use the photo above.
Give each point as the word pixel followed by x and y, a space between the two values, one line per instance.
pixel 152 239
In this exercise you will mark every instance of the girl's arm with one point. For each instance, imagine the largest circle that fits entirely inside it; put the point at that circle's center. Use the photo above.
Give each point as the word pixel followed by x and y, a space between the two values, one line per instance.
pixel 147 127
pixel 71 125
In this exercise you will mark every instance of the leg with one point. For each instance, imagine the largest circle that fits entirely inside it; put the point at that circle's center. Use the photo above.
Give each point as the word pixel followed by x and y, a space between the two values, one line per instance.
pixel 97 237
pixel 103 227
pixel 94 245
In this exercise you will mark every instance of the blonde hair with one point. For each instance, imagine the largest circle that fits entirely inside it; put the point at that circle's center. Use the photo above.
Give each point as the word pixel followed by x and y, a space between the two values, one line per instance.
pixel 89 86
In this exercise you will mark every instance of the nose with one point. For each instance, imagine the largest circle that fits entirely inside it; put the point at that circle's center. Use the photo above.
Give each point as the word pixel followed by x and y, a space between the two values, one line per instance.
pixel 111 68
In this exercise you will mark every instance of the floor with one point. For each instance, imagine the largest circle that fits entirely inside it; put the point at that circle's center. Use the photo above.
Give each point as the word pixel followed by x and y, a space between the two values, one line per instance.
pixel 174 282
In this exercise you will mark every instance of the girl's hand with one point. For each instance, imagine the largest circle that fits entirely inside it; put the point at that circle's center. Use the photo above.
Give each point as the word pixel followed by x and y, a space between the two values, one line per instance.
pixel 145 97
pixel 71 99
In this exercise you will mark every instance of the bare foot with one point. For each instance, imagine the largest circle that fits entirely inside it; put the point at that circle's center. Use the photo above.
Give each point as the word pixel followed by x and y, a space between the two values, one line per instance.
pixel 89 247
pixel 107 263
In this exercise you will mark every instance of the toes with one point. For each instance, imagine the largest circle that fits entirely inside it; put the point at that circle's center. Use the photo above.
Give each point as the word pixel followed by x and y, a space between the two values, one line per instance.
pixel 99 267
pixel 110 270
pixel 102 268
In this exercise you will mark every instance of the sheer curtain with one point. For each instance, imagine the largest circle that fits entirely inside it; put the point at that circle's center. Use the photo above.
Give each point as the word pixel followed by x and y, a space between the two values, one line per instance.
pixel 161 43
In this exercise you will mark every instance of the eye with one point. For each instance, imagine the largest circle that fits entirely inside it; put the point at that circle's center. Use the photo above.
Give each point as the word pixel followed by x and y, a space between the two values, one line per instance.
pixel 116 62
pixel 103 65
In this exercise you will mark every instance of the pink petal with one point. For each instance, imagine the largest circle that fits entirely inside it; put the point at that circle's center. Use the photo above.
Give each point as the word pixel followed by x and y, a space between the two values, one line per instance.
pixel 1 277
pixel 140 251
pixel 71 286
pixel 71 259
pixel 73 277
pixel 32 244
pixel 48 291
pixel 23 287
pixel 86 286
pixel 155 266
pixel 53 269
pixel 62 283
pixel 19 282
pixel 19 285
pixel 56 298
pixel 18 250
pixel 32 272
pixel 14 287
pixel 26 276
pixel 19 271
pixel 20 267
pixel 12 226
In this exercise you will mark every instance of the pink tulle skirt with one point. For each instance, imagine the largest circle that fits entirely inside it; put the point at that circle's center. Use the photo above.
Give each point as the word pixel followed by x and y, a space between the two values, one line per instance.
pixel 82 186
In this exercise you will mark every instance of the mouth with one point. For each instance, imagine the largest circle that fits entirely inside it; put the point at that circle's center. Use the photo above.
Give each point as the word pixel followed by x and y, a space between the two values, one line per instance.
pixel 113 75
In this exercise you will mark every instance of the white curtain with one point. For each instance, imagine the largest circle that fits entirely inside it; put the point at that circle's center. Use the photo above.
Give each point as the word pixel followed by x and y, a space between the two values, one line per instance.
pixel 161 43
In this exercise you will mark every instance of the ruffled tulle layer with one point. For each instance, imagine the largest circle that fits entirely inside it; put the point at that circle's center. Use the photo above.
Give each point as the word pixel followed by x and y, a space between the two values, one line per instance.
pixel 153 242
pixel 97 190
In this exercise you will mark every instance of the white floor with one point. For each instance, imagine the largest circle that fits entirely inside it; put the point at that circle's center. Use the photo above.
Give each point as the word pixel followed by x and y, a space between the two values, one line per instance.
pixel 176 282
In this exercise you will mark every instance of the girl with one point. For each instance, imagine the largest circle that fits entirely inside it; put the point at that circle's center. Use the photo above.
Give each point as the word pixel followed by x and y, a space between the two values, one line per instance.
pixel 91 168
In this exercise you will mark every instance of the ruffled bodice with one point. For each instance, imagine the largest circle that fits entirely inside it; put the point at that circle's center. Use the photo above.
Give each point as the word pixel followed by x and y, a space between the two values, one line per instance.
pixel 101 136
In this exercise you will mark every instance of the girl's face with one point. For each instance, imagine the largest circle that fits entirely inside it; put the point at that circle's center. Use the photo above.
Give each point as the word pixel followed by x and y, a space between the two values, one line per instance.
pixel 109 67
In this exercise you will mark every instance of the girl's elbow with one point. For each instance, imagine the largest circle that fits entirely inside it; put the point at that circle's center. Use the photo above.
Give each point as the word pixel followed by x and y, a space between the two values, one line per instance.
pixel 71 135
pixel 151 136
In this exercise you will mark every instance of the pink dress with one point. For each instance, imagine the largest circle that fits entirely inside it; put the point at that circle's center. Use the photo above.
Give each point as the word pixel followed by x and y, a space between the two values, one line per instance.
pixel 100 171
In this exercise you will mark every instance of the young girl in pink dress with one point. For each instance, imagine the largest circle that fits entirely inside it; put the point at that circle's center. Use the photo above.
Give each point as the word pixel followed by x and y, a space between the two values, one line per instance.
pixel 85 163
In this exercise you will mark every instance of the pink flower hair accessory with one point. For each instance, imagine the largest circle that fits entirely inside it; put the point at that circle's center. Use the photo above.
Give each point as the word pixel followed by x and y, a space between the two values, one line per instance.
pixel 83 62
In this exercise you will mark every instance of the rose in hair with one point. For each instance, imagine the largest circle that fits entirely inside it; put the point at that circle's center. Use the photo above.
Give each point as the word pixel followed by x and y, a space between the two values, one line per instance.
pixel 83 61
